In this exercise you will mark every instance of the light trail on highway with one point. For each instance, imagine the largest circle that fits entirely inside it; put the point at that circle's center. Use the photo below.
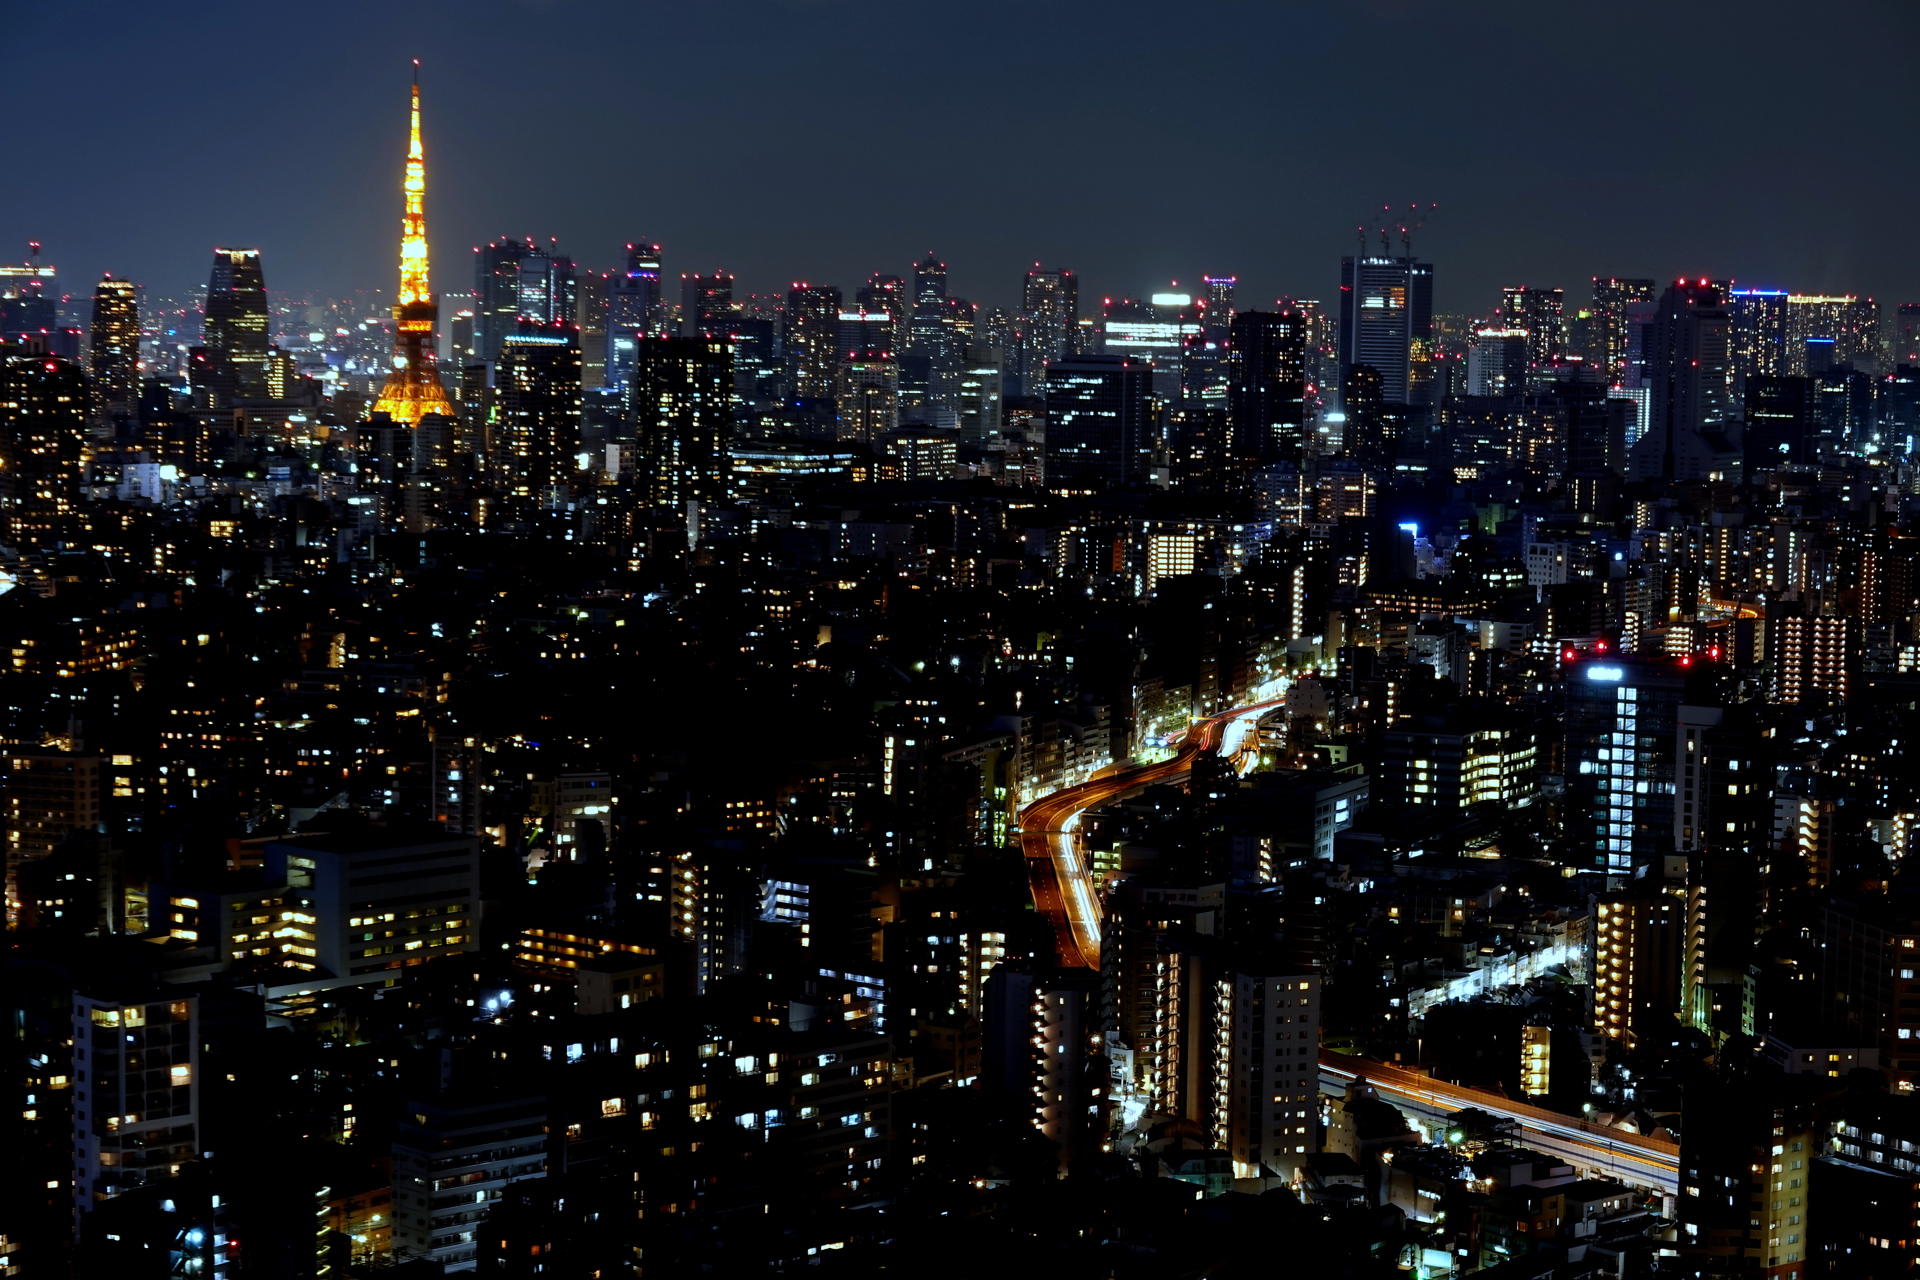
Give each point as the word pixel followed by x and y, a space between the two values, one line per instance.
pixel 1632 1158
pixel 1062 885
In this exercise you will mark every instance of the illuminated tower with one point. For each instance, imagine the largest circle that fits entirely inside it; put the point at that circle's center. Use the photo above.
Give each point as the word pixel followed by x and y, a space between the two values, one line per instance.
pixel 413 389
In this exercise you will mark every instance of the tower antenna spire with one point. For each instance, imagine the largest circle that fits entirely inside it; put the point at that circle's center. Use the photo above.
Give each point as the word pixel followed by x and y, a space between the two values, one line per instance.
pixel 413 388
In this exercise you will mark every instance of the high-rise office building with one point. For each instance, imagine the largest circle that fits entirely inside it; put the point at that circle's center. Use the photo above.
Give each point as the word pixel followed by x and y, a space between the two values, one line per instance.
pixel 496 294
pixel 1049 313
pixel 706 305
pixel 113 355
pixel 1612 295
pixel 979 394
pixel 1099 421
pixel 518 284
pixel 1688 355
pixel 1497 361
pixel 1386 311
pixel 929 349
pixel 866 332
pixel 460 340
pixel 235 331
pixel 887 296
pixel 1157 330
pixel 537 404
pixel 867 397
pixel 413 388
pixel 633 308
pixel 680 401
pixel 929 298
pixel 29 299
pixel 813 339
pixel 549 290
pixel 1541 315
pixel 1266 386
pixel 1216 296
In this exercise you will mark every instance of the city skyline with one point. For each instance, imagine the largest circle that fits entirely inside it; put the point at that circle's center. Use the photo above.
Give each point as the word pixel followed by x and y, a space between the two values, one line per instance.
pixel 1072 698
pixel 719 177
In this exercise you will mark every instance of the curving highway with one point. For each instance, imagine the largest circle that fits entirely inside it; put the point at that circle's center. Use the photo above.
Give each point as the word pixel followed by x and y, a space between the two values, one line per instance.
pixel 1062 888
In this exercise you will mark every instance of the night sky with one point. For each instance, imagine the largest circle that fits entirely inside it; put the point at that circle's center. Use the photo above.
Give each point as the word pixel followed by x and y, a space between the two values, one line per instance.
pixel 827 139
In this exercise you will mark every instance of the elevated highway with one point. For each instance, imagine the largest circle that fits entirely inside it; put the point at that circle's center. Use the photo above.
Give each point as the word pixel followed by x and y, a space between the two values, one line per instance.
pixel 1632 1158
pixel 1062 883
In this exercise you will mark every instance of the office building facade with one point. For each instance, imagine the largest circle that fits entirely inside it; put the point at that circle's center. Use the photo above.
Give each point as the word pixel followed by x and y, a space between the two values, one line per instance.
pixel 1386 311
pixel 1099 431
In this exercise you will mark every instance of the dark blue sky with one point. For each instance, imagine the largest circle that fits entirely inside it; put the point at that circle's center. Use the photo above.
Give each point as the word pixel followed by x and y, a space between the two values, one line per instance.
pixel 826 139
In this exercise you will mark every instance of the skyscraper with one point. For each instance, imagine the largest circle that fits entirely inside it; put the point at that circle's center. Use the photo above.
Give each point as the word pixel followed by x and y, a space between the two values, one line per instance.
pixel 1049 312
pixel 113 355
pixel 1157 329
pixel 680 400
pixel 28 299
pixel 1266 386
pixel 496 294
pixel 1611 298
pixel 235 331
pixel 867 398
pixel 633 309
pixel 43 432
pixel 1216 293
pixel 1099 421
pixel 1759 332
pixel 927 334
pixel 813 339
pixel 413 388
pixel 537 400
pixel 887 295
pixel 1542 314
pixel 1386 309
pixel 516 283
pixel 1497 362
pixel 1688 358
pixel 706 305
